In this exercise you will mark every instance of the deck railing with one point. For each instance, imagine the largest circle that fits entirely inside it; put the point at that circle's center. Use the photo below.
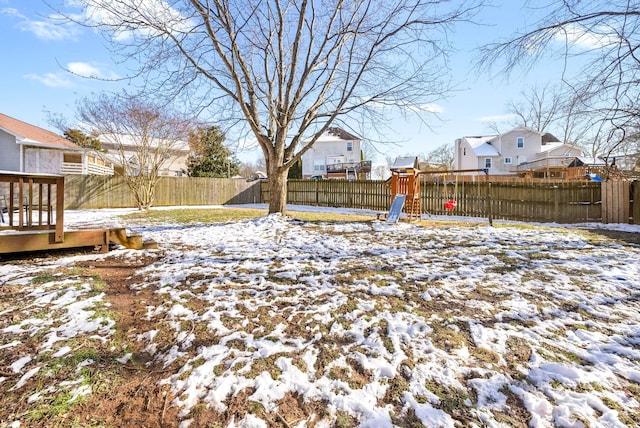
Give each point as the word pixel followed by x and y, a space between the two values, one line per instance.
pixel 363 166
pixel 33 202
pixel 71 168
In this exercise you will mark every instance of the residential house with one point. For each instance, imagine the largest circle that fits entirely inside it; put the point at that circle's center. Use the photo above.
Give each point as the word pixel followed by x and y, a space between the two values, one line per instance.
pixel 28 148
pixel 335 154
pixel 519 151
pixel 170 156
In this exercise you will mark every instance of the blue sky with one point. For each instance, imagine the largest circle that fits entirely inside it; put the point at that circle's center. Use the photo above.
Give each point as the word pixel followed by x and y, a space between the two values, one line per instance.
pixel 38 50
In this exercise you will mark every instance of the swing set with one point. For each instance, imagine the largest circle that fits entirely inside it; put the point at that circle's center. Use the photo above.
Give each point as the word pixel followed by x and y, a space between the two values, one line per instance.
pixel 405 181
pixel 450 204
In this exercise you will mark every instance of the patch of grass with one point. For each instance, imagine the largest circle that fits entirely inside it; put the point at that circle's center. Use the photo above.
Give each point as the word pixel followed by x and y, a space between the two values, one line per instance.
pixel 197 411
pixel 184 375
pixel 326 355
pixel 485 355
pixel 397 386
pixel 198 362
pixel 344 420
pixel 555 383
pixel 610 403
pixel 588 387
pixel 634 390
pixel 260 365
pixel 354 375
pixel 555 354
pixel 52 407
pixel 383 332
pixel 446 337
pixel 452 399
pixel 407 420
pixel 256 408
pixel 191 216
pixel 104 314
pixel 43 279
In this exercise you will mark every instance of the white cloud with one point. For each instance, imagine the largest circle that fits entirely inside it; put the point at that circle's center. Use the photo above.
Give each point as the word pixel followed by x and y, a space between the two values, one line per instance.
pixel 54 80
pixel 428 108
pixel 110 14
pixel 87 70
pixel 53 28
pixel 598 38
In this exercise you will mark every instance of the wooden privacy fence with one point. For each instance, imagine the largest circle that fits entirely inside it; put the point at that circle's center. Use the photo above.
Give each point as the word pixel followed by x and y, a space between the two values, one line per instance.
pixel 562 202
pixel 363 194
pixel 91 192
pixel 616 206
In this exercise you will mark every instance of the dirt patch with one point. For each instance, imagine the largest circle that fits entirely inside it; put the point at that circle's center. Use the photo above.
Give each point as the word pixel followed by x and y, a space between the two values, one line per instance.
pixel 135 398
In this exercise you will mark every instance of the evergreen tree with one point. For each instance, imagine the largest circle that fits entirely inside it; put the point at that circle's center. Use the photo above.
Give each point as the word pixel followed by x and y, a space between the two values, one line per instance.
pixel 209 157
pixel 295 173
pixel 83 140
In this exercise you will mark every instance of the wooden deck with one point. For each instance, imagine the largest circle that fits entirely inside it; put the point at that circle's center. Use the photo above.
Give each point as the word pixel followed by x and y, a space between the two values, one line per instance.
pixel 32 218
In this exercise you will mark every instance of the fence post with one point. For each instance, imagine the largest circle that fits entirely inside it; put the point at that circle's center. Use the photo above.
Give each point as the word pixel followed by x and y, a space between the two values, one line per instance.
pixel 635 213
pixel 490 202
pixel 556 205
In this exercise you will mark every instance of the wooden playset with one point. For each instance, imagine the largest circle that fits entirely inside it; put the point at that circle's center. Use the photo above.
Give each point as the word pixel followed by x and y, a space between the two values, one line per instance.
pixel 405 188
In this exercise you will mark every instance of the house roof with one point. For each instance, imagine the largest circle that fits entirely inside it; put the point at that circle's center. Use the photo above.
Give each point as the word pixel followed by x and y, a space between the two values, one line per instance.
pixel 115 141
pixel 403 163
pixel 481 146
pixel 549 138
pixel 32 135
pixel 337 134
pixel 550 147
pixel 525 129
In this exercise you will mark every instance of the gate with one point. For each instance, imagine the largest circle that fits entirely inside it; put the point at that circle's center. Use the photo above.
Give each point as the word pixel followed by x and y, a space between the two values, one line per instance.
pixel 615 201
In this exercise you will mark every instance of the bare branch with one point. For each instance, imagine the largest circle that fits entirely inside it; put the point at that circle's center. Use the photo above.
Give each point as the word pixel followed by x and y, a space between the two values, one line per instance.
pixel 287 69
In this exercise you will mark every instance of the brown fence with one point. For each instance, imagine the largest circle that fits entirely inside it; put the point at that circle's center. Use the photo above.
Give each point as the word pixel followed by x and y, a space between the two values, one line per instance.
pixel 562 202
pixel 616 206
pixel 89 192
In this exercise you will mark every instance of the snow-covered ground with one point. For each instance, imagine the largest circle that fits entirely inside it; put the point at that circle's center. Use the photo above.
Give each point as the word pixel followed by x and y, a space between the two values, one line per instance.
pixel 468 325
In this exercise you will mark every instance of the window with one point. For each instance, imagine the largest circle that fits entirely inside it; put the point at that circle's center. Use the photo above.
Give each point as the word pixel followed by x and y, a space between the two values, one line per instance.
pixel 464 151
pixel 487 163
pixel 520 142
pixel 349 146
pixel 507 160
pixel 318 165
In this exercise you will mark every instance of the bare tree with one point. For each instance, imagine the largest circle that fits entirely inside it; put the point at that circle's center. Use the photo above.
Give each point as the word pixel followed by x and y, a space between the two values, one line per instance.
pixel 557 110
pixel 145 138
pixel 441 157
pixel 537 108
pixel 605 36
pixel 288 69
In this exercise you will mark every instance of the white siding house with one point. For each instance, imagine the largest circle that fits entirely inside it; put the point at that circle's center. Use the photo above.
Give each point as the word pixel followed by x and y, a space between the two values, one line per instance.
pixel 520 149
pixel 171 156
pixel 28 148
pixel 336 154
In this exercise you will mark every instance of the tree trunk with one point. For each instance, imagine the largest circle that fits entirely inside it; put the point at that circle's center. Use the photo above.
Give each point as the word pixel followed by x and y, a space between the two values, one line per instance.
pixel 278 191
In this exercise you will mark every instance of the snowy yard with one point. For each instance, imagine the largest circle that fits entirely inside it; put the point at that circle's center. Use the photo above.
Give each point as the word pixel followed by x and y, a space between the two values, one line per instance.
pixel 274 322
